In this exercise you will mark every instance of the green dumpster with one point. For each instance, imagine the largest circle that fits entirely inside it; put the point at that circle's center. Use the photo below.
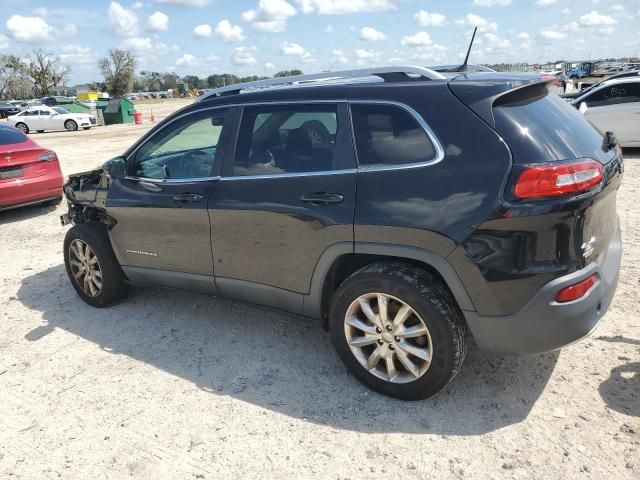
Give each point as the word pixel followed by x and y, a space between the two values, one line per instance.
pixel 75 107
pixel 116 110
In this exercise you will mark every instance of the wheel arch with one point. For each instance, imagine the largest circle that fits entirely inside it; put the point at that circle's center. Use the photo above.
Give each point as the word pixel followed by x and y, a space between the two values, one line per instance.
pixel 342 259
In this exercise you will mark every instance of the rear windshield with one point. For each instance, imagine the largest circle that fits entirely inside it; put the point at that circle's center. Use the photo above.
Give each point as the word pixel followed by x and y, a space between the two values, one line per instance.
pixel 9 136
pixel 541 127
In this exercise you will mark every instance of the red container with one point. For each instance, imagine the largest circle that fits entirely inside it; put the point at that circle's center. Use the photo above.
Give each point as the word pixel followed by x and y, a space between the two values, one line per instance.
pixel 137 118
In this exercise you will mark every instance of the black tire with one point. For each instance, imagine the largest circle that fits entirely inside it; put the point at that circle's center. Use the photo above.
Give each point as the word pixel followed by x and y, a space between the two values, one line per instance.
pixel 95 236
pixel 71 126
pixel 23 127
pixel 430 299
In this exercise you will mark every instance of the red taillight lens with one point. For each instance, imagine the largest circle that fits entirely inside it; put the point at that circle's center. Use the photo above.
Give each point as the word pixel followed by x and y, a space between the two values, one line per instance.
pixel 574 292
pixel 557 179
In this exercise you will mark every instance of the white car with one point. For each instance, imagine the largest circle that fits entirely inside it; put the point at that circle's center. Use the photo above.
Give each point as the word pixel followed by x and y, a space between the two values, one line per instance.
pixel 614 106
pixel 51 118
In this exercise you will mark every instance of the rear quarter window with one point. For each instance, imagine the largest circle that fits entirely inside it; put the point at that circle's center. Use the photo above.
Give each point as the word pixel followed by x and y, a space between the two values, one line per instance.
pixel 541 127
pixel 388 135
pixel 10 136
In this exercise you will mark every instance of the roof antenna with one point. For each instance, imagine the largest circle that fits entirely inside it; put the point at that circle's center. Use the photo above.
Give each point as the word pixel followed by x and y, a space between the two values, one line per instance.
pixel 463 67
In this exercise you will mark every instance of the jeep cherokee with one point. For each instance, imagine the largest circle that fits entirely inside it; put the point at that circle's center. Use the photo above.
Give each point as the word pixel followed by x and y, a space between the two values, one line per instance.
pixel 407 209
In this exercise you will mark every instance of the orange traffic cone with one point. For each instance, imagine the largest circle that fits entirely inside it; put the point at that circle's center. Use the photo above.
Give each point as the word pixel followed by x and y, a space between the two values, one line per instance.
pixel 153 117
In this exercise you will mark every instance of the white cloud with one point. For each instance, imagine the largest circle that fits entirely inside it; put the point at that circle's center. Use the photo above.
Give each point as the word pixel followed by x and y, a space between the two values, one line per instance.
pixel 203 31
pixel 146 48
pixel 229 33
pixel 428 19
pixel 287 48
pixel 29 29
pixel 269 15
pixel 370 34
pixel 552 35
pixel 121 21
pixel 199 65
pixel 4 42
pixel 78 55
pixel 472 20
pixel 606 30
pixel 420 39
pixel 593 19
pixel 340 57
pixel 137 5
pixel 523 36
pixel 495 43
pixel 342 7
pixel 158 22
pixel 186 3
pixel 244 56
pixel 617 7
pixel 545 3
pixel 328 29
pixel 491 3
pixel 363 54
pixel 566 11
pixel 434 53
pixel 269 66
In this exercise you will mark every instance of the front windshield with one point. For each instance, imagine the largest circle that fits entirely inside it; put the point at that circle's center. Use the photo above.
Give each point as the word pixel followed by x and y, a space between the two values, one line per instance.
pixel 59 110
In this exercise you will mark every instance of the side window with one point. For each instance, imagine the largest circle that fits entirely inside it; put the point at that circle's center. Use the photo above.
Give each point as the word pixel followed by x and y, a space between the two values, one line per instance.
pixel 31 113
pixel 185 149
pixel 614 95
pixel 284 139
pixel 389 135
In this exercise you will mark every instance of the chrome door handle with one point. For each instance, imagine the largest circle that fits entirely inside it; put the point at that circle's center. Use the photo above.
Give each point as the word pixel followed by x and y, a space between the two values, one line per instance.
pixel 152 187
pixel 188 197
pixel 323 198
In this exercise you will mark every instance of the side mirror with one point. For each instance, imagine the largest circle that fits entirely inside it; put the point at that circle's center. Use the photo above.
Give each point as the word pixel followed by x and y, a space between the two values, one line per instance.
pixel 115 168
pixel 583 108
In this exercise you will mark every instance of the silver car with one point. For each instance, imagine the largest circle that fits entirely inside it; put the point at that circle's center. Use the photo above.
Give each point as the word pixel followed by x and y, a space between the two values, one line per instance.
pixel 614 106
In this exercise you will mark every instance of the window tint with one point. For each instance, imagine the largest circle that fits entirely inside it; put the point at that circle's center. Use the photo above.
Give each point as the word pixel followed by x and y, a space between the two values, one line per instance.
pixel 32 113
pixel 280 139
pixel 10 136
pixel 614 94
pixel 389 135
pixel 186 149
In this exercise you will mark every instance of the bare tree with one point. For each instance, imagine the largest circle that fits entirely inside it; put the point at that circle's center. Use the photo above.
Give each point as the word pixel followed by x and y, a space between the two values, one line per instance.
pixel 45 72
pixel 118 69
pixel 11 69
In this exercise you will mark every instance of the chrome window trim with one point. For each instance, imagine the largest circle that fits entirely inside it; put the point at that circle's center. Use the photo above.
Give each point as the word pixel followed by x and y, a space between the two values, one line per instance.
pixel 439 151
pixel 172 180
pixel 291 174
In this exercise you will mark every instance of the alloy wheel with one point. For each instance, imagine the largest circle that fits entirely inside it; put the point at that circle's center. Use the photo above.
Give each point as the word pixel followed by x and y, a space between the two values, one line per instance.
pixel 388 338
pixel 85 267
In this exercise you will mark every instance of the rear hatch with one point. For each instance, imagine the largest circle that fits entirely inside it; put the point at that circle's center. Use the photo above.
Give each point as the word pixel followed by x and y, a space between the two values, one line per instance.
pixel 542 130
pixel 22 158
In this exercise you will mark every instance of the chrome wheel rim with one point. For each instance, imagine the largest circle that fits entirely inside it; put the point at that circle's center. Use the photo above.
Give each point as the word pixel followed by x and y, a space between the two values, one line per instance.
pixel 85 268
pixel 388 338
pixel 70 126
pixel 22 128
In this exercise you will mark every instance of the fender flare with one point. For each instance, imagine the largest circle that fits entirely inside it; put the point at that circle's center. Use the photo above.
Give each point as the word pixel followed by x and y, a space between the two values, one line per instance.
pixel 313 301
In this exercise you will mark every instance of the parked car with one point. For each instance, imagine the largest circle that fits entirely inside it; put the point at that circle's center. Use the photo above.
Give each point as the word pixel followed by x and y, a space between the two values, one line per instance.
pixel 615 106
pixel 56 100
pixel 405 209
pixel 29 174
pixel 7 109
pixel 587 86
pixel 51 118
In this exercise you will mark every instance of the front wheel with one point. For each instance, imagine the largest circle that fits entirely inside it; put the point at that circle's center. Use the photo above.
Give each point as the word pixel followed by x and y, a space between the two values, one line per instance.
pixel 398 330
pixel 71 126
pixel 22 127
pixel 92 266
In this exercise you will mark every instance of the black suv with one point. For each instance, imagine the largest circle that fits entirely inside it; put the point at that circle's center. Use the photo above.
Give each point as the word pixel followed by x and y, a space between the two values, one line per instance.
pixel 407 210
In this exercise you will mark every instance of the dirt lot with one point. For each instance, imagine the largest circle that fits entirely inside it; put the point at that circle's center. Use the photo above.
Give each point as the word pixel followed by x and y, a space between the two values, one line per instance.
pixel 176 385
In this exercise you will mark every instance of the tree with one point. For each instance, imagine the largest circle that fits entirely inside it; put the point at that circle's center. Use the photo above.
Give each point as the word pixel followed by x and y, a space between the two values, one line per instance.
pixel 45 72
pixel 118 69
pixel 13 77
pixel 288 73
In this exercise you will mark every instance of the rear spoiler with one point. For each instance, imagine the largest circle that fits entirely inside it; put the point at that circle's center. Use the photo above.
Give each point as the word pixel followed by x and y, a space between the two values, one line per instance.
pixel 481 92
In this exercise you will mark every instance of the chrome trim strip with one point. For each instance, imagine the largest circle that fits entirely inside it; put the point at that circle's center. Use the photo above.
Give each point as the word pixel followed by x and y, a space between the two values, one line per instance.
pixel 292 174
pixel 172 180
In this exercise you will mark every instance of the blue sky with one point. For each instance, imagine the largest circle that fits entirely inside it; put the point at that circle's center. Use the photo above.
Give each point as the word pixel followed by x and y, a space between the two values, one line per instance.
pixel 263 36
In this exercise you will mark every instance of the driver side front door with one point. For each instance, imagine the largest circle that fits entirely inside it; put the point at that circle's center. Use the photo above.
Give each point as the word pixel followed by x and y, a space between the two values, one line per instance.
pixel 162 233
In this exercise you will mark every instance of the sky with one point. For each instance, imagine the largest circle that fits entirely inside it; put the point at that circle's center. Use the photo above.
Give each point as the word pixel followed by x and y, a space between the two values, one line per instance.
pixel 261 37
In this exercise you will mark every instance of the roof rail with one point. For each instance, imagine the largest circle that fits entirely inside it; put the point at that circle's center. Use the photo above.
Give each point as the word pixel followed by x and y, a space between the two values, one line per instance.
pixel 387 74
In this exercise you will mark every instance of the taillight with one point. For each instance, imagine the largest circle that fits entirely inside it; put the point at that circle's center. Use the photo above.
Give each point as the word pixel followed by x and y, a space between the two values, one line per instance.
pixel 47 157
pixel 576 291
pixel 549 180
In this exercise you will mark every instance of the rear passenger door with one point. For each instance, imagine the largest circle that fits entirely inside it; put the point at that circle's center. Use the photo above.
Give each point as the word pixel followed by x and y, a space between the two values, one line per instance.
pixel 285 196
pixel 616 108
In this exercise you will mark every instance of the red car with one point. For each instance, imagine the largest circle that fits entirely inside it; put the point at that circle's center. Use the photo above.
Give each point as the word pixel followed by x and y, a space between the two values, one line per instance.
pixel 29 174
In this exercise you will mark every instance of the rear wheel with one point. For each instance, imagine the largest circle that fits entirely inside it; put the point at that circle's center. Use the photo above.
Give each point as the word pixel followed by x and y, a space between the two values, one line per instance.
pixel 22 127
pixel 71 126
pixel 398 330
pixel 92 266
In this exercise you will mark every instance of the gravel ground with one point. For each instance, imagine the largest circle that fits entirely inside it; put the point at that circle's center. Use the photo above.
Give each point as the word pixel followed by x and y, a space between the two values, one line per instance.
pixel 177 385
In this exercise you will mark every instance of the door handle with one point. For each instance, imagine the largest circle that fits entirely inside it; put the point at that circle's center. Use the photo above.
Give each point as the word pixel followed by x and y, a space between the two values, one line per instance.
pixel 152 187
pixel 188 197
pixel 321 198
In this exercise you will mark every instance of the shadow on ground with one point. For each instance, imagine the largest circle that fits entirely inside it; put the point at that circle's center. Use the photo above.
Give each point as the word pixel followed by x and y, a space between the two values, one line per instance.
pixel 621 391
pixel 25 213
pixel 281 362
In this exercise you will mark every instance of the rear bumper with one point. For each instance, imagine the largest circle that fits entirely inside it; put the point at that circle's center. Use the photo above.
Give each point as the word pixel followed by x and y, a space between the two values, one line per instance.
pixel 543 324
pixel 21 192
